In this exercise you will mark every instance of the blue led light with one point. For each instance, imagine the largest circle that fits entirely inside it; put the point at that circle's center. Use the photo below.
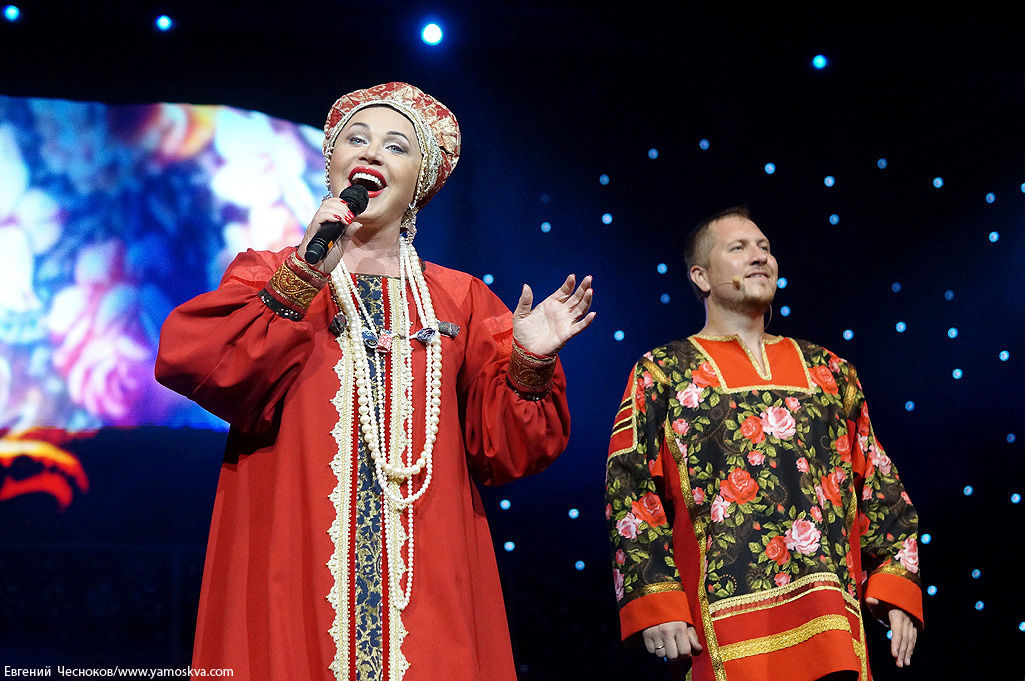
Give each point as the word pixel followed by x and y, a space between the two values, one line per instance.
pixel 889 633
pixel 948 294
pixel 896 287
pixel 662 268
pixel 834 219
pixel 579 565
pixel 994 237
pixel 937 182
pixel 909 405
pixel 901 327
pixel 991 197
pixel 881 163
pixel 703 144
pixel 504 504
pixel 1011 438
pixel 1022 187
pixel 653 153
pixel 1015 498
pixel 603 179
pixel 1004 355
pixel 829 181
pixel 546 226
pixel 957 374
pixel 781 282
pixel 931 590
pixel 976 573
pixel 431 34
pixel 164 23
pixel 664 298
pixel 1021 626
pixel 952 333
pixel 770 168
pixel 488 279
pixel 785 310
pixel 848 334
pixel 926 538
pixel 12 12
pixel 819 61
pixel 979 605
pixel 574 513
pixel 607 218
pixel 509 545
pixel 619 335
pixel 968 490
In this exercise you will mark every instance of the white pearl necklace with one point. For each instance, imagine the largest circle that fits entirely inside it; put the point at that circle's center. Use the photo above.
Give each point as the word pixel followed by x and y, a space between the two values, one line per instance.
pixel 393 457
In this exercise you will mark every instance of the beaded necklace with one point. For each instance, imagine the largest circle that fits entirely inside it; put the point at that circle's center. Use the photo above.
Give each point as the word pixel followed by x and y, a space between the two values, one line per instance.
pixel 394 466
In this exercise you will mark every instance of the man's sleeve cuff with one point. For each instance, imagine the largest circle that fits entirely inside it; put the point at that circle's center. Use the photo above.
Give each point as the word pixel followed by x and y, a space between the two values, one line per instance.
pixel 897 591
pixel 667 605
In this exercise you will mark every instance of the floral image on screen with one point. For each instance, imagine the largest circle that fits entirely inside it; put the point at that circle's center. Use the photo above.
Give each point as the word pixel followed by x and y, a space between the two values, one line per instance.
pixel 110 216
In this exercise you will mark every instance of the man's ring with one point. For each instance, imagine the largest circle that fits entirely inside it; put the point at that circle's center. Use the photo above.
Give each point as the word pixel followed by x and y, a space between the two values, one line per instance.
pixel 657 647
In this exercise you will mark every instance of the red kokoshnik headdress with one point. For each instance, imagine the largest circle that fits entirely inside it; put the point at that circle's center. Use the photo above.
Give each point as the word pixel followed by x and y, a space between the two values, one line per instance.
pixel 437 130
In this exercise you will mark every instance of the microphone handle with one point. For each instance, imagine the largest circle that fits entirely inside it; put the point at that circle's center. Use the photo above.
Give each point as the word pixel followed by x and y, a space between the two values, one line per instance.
pixel 317 248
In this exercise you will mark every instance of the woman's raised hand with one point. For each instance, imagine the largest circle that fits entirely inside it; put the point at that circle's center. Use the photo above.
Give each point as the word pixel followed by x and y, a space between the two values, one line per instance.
pixel 545 329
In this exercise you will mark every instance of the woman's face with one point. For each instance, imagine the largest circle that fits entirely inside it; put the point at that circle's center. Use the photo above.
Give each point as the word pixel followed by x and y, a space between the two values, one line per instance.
pixel 378 149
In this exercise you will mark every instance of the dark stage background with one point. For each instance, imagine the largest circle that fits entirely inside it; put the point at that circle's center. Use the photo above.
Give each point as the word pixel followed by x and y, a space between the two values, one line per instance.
pixel 551 97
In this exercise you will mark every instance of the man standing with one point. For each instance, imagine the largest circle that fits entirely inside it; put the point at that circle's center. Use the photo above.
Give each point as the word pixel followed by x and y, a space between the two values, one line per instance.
pixel 752 510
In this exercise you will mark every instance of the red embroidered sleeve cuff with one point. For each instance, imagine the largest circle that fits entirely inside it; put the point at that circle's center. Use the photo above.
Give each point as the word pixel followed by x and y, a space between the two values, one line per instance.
pixel 663 603
pixel 897 591
pixel 530 375
pixel 292 288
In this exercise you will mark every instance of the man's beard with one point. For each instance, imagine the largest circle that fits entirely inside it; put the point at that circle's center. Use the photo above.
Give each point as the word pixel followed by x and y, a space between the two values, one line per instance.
pixel 750 305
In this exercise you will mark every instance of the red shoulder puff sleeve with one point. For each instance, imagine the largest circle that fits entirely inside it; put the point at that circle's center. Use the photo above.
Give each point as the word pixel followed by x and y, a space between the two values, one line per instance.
pixel 507 436
pixel 229 352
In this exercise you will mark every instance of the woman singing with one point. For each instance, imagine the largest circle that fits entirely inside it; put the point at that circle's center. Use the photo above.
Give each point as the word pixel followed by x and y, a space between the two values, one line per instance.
pixel 363 392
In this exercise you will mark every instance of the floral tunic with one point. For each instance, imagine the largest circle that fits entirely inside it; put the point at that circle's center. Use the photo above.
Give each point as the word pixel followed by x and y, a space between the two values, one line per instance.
pixel 758 506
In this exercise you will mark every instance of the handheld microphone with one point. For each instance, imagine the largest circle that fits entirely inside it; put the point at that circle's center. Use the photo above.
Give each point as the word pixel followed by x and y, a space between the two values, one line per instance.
pixel 357 198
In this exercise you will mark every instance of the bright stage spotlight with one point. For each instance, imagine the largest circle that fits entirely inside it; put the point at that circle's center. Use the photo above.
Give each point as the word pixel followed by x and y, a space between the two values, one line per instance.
pixel 164 23
pixel 820 61
pixel 12 12
pixel 431 34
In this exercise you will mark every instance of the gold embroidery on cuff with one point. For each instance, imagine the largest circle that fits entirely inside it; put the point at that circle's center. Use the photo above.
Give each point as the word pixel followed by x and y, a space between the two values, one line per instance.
pixel 658 588
pixel 530 375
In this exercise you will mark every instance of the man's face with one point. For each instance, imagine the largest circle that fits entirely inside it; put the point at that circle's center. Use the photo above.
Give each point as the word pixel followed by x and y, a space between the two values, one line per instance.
pixel 741 271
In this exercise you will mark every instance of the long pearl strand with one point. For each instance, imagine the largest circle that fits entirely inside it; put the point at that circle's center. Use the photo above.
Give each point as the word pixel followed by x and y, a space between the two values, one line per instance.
pixel 393 457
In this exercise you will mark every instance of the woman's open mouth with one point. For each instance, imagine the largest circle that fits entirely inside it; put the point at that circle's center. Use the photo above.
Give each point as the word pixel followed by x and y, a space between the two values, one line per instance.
pixel 369 178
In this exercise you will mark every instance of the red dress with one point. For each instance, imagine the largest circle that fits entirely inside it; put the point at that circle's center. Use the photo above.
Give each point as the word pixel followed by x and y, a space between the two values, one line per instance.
pixel 264 608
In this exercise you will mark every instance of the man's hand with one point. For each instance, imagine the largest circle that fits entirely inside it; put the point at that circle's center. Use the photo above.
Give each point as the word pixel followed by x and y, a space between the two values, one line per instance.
pixel 672 640
pixel 905 633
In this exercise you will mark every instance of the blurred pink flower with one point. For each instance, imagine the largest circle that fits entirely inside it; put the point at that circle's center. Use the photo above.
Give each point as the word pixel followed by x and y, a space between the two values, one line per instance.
pixel 101 349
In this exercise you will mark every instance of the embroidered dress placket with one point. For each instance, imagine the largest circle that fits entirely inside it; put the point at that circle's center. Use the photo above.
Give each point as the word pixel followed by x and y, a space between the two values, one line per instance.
pixel 389 442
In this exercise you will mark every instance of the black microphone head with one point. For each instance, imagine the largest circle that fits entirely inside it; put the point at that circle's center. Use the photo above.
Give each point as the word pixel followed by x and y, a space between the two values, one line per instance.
pixel 357 197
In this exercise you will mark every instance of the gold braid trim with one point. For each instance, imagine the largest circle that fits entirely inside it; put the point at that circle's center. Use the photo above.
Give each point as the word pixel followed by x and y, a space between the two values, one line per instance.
pixel 656 372
pixel 895 568
pixel 530 375
pixel 850 394
pixel 784 639
pixel 658 588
